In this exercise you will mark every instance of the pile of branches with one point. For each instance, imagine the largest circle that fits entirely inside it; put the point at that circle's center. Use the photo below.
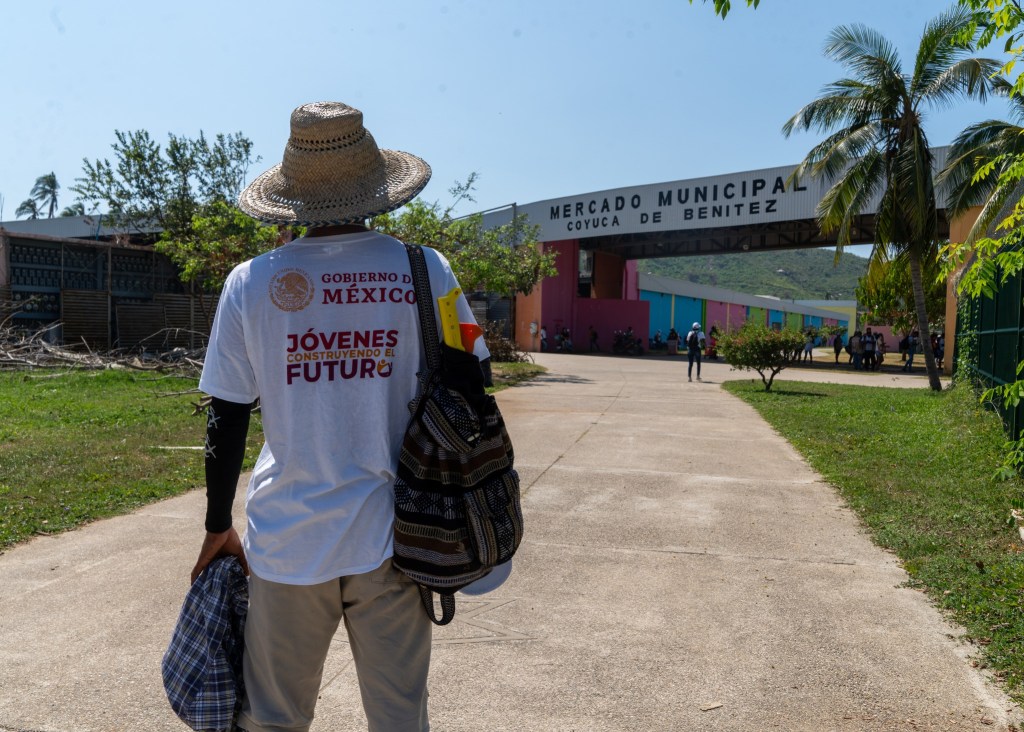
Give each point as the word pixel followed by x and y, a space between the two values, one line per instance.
pixel 503 349
pixel 39 348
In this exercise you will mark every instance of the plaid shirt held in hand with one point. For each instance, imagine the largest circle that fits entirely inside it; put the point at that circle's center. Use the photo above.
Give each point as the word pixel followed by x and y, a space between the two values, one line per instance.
pixel 202 667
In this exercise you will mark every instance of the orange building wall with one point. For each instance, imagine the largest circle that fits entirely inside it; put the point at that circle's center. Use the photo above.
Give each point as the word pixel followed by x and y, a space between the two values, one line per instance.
pixel 607 277
pixel 528 310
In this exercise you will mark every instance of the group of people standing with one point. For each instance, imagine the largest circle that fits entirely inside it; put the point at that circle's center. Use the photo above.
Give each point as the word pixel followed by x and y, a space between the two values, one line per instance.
pixel 867 350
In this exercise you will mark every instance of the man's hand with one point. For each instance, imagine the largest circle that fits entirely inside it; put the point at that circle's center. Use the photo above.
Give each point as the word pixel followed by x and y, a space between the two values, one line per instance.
pixel 223 544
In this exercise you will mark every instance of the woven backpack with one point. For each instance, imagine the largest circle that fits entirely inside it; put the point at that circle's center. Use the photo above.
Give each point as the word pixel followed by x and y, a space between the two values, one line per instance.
pixel 457 506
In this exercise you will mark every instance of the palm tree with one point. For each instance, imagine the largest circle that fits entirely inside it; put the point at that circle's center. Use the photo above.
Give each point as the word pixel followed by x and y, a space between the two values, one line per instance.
pixel 29 208
pixel 993 142
pixel 877 144
pixel 45 192
pixel 75 209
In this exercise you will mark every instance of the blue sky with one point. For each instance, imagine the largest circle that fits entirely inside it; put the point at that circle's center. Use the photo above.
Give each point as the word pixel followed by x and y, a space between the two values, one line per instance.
pixel 542 99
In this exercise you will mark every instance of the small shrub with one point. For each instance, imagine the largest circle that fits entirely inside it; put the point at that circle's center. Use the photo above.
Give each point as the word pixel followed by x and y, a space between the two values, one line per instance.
pixel 759 348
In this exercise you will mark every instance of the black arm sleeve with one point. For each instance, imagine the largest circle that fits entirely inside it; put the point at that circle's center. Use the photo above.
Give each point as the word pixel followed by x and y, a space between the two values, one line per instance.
pixel 227 425
pixel 485 367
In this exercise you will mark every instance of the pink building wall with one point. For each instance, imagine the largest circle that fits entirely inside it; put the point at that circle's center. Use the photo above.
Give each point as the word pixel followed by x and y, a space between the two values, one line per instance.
pixel 608 316
pixel 716 314
pixel 737 316
pixel 892 340
pixel 558 292
pixel 561 307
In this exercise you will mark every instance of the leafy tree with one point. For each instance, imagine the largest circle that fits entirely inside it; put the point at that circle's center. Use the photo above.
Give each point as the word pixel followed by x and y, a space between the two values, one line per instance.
pixel 29 207
pixel 827 331
pixel 987 167
pixel 506 260
pixel 185 192
pixel 722 7
pixel 148 187
pixel 756 347
pixel 45 193
pixel 221 238
pixel 995 20
pixel 877 143
pixel 977 160
pixel 887 293
pixel 218 239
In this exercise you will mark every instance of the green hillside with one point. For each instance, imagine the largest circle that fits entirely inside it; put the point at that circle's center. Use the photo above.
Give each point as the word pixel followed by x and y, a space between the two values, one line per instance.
pixel 802 274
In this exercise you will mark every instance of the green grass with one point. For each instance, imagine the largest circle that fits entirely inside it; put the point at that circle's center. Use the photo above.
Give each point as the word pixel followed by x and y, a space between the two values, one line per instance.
pixel 79 446
pixel 510 374
pixel 916 466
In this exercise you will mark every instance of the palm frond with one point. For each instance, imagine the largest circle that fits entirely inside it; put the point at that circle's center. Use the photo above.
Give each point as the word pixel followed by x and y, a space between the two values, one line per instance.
pixel 865 51
pixel 850 194
pixel 940 47
pixel 829 158
pixel 996 207
pixel 913 179
pixel 825 113
pixel 992 142
pixel 29 207
pixel 969 77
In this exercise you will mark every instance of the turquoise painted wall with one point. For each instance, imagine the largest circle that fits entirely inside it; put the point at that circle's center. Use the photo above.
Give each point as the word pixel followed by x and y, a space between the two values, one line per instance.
pixel 689 310
pixel 661 311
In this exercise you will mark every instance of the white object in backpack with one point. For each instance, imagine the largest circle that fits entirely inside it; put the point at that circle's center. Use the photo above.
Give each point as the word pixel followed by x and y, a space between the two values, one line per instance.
pixel 490 582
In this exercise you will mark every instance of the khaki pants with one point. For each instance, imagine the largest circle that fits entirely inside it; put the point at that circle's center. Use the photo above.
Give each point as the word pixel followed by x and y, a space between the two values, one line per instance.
pixel 288 633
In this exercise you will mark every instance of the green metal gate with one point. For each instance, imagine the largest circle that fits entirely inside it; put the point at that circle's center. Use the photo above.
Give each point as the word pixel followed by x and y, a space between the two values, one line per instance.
pixel 990 343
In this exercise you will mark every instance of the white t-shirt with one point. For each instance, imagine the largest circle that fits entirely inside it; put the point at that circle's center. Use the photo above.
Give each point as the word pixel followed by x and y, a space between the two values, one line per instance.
pixel 325 331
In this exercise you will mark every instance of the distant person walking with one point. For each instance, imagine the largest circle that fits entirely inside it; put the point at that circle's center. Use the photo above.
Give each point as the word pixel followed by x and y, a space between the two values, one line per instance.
pixel 837 346
pixel 695 341
pixel 912 340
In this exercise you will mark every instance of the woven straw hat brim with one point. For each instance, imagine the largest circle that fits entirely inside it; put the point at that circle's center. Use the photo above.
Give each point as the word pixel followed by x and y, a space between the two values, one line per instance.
pixel 273 199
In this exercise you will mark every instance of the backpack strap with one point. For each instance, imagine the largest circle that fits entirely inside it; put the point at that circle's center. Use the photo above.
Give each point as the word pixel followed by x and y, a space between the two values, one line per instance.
pixel 447 605
pixel 432 349
pixel 425 304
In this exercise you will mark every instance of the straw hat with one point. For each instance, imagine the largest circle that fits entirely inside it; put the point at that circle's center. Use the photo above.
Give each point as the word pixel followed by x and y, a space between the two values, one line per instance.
pixel 333 173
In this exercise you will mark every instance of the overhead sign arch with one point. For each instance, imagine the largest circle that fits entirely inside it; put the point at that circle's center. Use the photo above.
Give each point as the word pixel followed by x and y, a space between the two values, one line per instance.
pixel 756 210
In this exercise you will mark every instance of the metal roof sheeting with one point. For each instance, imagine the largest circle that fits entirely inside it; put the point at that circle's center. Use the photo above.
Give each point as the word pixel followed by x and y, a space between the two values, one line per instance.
pixel 65 227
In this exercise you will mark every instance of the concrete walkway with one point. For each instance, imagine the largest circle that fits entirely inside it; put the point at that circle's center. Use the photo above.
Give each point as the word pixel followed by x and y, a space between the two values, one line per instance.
pixel 683 570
